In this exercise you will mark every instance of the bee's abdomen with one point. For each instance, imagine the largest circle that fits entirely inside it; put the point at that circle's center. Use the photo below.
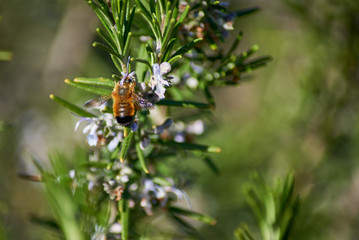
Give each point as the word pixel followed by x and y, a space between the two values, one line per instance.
pixel 124 112
pixel 125 121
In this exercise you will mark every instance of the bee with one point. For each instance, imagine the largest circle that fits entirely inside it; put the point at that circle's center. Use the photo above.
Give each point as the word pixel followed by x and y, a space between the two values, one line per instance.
pixel 125 101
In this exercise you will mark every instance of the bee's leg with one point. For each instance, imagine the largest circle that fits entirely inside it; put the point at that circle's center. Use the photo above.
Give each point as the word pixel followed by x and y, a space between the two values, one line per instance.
pixel 137 105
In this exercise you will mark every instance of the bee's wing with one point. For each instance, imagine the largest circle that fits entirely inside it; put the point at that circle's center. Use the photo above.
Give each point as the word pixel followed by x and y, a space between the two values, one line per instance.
pixel 95 103
pixel 142 103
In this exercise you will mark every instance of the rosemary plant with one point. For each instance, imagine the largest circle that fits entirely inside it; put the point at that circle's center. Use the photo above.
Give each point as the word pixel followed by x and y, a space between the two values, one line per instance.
pixel 174 52
pixel 275 208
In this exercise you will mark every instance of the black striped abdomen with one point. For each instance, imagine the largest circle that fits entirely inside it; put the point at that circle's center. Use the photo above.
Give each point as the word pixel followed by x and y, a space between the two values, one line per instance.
pixel 124 112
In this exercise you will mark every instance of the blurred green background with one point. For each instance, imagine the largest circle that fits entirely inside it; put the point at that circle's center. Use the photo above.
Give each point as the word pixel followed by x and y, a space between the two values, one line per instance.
pixel 299 113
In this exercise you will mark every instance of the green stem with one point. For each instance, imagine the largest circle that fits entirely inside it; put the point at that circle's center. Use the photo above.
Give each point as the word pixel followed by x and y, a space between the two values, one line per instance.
pixel 125 215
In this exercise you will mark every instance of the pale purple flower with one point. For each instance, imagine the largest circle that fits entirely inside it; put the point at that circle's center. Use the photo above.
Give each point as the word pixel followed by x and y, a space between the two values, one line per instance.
pixel 196 127
pixel 92 137
pixel 109 120
pixel 157 82
pixel 90 130
pixel 115 141
pixel 126 75
pixel 180 137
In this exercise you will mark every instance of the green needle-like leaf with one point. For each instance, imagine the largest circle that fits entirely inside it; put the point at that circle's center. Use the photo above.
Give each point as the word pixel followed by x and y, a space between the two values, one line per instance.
pixel 141 157
pixel 186 104
pixel 46 222
pixel 183 224
pixel 106 82
pixel 184 14
pixel 106 38
pixel 186 47
pixel 242 233
pixel 118 62
pixel 87 88
pixel 247 11
pixel 174 59
pixel 141 69
pixel 168 34
pixel 127 45
pixel 106 48
pixel 64 209
pixel 209 162
pixel 253 64
pixel 73 108
pixel 235 44
pixel 141 61
pixel 209 96
pixel 188 146
pixel 129 23
pixel 168 50
pixel 104 18
pixel 126 145
pixel 194 215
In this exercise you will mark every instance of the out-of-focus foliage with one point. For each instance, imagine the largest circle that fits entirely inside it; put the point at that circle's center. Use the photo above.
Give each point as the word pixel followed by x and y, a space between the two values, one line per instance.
pixel 305 115
pixel 275 208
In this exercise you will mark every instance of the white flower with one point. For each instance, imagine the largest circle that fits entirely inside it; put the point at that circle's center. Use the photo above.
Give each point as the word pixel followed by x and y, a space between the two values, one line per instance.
pixel 114 142
pixel 96 128
pixel 72 173
pixel 91 185
pixel 196 127
pixel 165 68
pixel 91 129
pixel 124 175
pixel 99 233
pixel 92 140
pixel 192 82
pixel 108 118
pixel 115 228
pixel 157 81
pixel 228 26
pixel 145 38
pixel 81 120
